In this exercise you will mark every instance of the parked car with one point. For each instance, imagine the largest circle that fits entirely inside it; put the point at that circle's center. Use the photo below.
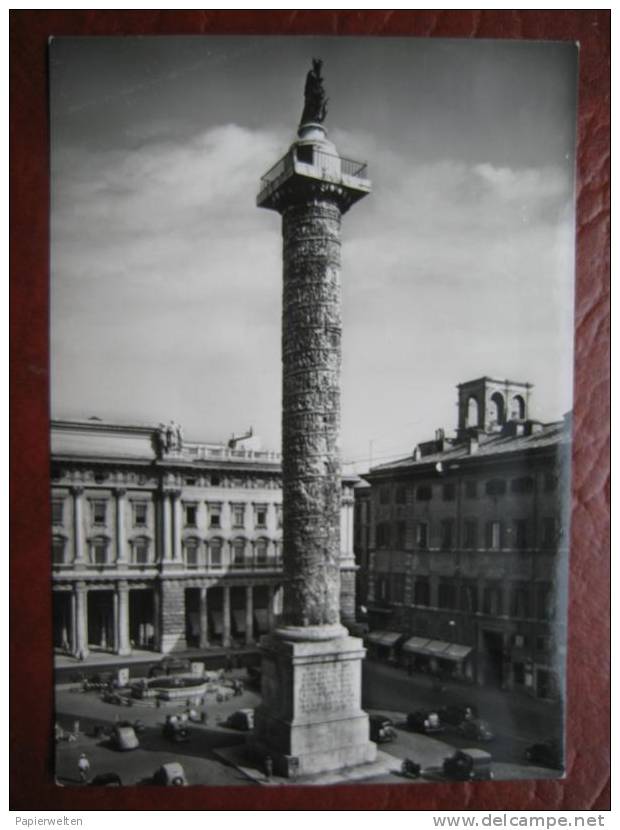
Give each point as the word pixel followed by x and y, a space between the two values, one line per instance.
pixel 242 719
pixel 170 775
pixel 455 715
pixel 124 737
pixel 381 729
pixel 475 729
pixel 175 728
pixel 546 754
pixel 468 765
pixel 106 779
pixel 428 723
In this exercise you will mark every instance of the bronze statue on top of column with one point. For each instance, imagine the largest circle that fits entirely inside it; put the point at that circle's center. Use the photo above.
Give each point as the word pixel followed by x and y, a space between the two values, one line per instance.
pixel 315 106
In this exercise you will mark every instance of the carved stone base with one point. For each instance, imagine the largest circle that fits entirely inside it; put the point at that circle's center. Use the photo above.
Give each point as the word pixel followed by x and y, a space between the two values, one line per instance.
pixel 311 719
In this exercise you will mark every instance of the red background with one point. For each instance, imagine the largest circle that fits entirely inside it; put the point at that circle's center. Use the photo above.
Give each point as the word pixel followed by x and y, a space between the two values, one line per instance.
pixel 31 749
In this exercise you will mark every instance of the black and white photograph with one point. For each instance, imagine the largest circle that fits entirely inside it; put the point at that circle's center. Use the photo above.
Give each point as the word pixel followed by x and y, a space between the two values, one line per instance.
pixel 311 337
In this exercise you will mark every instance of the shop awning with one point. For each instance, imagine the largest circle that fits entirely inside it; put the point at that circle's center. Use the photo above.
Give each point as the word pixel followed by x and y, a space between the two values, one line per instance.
pixel 383 638
pixel 416 645
pixel 436 648
pixel 456 652
pixel 239 618
pixel 261 617
pixel 390 637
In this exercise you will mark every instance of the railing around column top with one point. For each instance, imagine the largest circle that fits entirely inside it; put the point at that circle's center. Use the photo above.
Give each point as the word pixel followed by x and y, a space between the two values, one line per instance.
pixel 281 169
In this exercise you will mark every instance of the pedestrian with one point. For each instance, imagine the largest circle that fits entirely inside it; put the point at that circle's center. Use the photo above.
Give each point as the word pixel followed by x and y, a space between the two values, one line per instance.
pixel 83 767
pixel 268 767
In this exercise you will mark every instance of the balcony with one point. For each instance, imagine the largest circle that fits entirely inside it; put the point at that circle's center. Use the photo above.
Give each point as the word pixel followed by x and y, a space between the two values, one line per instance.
pixel 307 162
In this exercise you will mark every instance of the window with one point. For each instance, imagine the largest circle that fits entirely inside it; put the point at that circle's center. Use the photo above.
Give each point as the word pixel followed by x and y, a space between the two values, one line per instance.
pixel 401 534
pixel 421 535
pixel 521 601
pixel 492 600
pixel 58 550
pixel 446 595
pixel 544 602
pixel 140 551
pixel 260 515
pixel 493 536
pixel 238 515
pixel 497 408
pixel 470 534
pixel 260 550
pixel 215 480
pixel 383 534
pixel 520 641
pixel 215 553
pixel 58 509
pixel 191 512
pixel 99 551
pixel 424 493
pixel 279 516
pixel 400 495
pixel 397 587
pixel 471 489
pixel 447 534
pixel 305 153
pixel 473 412
pixel 215 515
pixel 421 592
pixel 550 482
pixel 100 477
pixel 384 494
pixel 519 529
pixel 469 598
pixel 449 492
pixel 140 509
pixel 496 487
pixel 518 673
pixel 192 548
pixel 98 511
pixel 542 643
pixel 525 484
pixel 190 481
pixel 238 553
pixel 550 529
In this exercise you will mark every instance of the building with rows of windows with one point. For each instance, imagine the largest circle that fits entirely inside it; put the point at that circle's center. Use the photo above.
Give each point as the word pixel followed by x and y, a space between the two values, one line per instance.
pixel 162 544
pixel 466 544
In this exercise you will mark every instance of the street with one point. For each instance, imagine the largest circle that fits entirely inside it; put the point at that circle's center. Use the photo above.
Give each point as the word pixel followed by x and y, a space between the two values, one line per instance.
pixel 387 690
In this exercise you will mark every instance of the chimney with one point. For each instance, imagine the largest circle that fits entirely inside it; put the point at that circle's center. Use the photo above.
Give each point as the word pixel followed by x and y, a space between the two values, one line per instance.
pixel 440 436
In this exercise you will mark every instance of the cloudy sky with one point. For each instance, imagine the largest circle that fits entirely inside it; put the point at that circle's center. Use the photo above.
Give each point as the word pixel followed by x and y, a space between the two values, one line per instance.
pixel 166 278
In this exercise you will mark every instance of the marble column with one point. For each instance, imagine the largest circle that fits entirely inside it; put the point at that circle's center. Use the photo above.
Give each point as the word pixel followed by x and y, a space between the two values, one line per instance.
pixel 226 639
pixel 122 644
pixel 177 527
pixel 81 620
pixel 249 615
pixel 79 554
pixel 310 719
pixel 121 541
pixel 73 636
pixel 157 618
pixel 204 619
pixel 271 616
pixel 166 527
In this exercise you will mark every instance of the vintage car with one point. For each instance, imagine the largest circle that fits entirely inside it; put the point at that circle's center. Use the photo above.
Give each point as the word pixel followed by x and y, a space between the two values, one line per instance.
pixel 106 779
pixel 242 719
pixel 428 723
pixel 124 737
pixel 171 774
pixel 457 713
pixel 381 729
pixel 546 754
pixel 468 765
pixel 475 729
pixel 175 728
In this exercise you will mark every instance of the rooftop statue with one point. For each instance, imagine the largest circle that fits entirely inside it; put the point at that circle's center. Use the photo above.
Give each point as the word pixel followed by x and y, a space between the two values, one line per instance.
pixel 315 106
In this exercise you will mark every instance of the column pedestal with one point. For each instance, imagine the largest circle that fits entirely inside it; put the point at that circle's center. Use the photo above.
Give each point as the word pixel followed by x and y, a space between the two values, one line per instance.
pixel 311 719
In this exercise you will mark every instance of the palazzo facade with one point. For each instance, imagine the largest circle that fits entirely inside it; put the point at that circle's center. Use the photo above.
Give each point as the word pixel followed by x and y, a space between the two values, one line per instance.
pixel 166 545
pixel 467 541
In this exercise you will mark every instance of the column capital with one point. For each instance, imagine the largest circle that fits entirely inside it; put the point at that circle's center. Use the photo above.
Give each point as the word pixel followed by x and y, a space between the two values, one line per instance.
pixel 119 492
pixel 122 585
pixel 80 587
pixel 173 492
pixel 76 489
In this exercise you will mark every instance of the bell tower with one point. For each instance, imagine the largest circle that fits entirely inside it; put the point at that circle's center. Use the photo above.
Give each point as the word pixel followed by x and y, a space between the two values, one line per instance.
pixel 487 404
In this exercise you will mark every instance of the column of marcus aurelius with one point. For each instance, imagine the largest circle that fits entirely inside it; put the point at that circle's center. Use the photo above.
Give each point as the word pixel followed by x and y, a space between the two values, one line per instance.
pixel 310 720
